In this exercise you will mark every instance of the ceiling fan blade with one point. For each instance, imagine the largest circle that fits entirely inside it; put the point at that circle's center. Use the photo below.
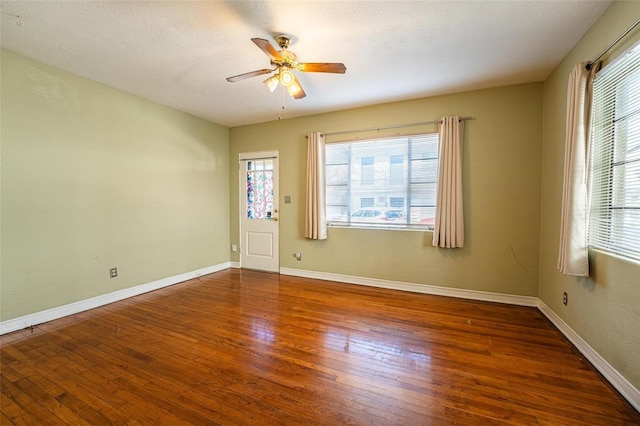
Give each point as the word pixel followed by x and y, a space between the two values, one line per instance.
pixel 337 68
pixel 267 48
pixel 248 75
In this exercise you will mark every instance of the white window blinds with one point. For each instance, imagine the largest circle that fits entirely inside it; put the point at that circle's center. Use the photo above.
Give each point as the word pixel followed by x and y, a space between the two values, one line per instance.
pixel 614 224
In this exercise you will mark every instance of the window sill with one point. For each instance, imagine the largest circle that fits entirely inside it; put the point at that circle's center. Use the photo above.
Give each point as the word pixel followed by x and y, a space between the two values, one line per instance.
pixel 616 256
pixel 380 227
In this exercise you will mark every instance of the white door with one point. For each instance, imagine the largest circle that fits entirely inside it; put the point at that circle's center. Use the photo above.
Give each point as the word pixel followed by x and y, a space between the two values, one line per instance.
pixel 259 231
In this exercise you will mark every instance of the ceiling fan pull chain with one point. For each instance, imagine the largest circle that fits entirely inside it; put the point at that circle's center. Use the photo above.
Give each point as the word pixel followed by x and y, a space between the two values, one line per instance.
pixel 281 103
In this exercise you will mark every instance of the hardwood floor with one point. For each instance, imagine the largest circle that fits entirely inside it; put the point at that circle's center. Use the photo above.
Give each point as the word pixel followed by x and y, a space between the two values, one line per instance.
pixel 244 347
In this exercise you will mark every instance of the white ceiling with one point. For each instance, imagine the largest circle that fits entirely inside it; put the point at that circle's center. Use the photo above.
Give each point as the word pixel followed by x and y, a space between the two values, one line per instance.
pixel 178 53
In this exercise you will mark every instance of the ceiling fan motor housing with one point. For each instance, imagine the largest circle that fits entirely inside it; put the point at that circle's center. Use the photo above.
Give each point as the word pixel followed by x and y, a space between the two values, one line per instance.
pixel 283 41
pixel 287 58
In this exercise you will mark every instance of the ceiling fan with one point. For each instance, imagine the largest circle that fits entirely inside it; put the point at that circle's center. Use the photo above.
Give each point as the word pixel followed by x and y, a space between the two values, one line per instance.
pixel 284 62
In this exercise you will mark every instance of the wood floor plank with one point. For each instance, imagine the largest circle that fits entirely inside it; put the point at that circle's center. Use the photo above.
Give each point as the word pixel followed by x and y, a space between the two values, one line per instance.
pixel 28 404
pixel 244 347
pixel 12 411
pixel 49 396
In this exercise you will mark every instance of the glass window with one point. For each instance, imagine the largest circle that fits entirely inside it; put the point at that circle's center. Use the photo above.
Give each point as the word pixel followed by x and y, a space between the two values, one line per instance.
pixel 396 202
pixel 614 178
pixel 383 182
pixel 366 202
pixel 259 189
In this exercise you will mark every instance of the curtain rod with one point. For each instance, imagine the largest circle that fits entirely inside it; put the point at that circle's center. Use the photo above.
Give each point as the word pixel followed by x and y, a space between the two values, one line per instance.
pixel 399 126
pixel 604 52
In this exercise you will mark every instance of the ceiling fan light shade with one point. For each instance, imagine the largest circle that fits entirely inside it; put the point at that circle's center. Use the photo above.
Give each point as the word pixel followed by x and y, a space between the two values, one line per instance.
pixel 294 89
pixel 272 83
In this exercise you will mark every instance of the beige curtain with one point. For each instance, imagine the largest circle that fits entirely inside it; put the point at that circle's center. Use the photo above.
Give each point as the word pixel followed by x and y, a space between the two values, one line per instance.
pixel 315 220
pixel 449 221
pixel 573 258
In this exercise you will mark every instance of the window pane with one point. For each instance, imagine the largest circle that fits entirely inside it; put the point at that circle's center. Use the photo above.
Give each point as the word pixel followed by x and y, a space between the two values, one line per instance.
pixel 372 183
pixel 338 196
pixel 337 213
pixel 423 216
pixel 627 135
pixel 614 179
pixel 425 147
pixel 624 193
pixel 423 195
pixel 337 154
pixel 627 87
pixel 259 193
pixel 628 244
pixel 424 171
pixel 337 174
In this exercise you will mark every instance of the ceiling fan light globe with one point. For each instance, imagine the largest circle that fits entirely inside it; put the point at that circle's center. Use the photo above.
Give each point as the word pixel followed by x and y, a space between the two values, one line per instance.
pixel 271 83
pixel 286 77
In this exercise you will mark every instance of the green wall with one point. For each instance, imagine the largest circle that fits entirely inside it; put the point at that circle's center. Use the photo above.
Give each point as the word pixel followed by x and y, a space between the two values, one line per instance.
pixel 502 164
pixel 94 178
pixel 605 309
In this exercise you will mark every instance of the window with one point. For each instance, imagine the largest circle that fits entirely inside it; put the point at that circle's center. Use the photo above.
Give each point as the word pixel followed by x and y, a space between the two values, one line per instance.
pixel 259 189
pixel 614 224
pixel 396 201
pixel 383 182
pixel 366 202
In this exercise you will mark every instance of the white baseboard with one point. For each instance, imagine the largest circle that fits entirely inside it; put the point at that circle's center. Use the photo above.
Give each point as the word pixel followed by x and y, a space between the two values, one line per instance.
pixel 626 389
pixel 416 288
pixel 235 265
pixel 94 302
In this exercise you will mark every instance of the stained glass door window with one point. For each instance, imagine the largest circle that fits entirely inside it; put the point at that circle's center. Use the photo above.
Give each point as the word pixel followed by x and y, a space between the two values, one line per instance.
pixel 260 189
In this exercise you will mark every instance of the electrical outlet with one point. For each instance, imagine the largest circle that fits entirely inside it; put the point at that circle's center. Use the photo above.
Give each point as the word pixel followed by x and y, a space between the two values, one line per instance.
pixel 234 248
pixel 565 298
pixel 113 272
pixel 298 256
